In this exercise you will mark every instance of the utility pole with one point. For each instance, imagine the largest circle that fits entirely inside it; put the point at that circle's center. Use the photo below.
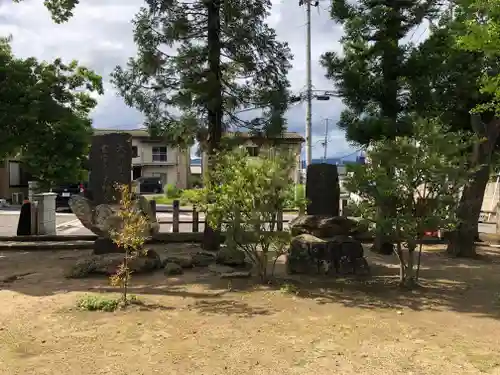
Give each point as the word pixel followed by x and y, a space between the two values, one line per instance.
pixel 325 142
pixel 309 86
pixel 308 4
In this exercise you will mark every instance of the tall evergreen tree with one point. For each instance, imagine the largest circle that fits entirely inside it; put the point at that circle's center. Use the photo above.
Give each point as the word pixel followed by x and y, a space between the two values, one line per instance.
pixel 199 62
pixel 371 73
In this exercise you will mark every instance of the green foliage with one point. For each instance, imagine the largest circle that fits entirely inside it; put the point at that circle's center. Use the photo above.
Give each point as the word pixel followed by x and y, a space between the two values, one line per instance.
pixel 371 71
pixel 253 67
pixel 243 196
pixel 45 109
pixel 482 35
pixel 60 10
pixel 130 237
pixel 430 168
pixel 171 191
pixel 98 303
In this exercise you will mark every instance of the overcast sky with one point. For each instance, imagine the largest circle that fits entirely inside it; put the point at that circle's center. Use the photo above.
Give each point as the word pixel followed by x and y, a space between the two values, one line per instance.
pixel 99 36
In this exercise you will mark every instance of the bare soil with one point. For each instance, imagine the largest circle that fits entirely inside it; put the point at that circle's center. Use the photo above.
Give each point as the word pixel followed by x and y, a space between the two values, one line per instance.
pixel 199 324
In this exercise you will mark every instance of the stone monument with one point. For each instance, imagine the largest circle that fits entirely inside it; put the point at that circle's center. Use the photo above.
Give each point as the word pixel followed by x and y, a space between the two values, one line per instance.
pixel 110 164
pixel 322 190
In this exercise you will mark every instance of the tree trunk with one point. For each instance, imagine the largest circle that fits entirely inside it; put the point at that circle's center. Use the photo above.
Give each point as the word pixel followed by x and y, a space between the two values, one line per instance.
pixel 211 236
pixel 462 239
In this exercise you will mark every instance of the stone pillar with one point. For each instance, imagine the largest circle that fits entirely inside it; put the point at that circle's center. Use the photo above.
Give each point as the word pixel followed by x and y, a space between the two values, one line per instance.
pixel 32 189
pixel 497 218
pixel 46 213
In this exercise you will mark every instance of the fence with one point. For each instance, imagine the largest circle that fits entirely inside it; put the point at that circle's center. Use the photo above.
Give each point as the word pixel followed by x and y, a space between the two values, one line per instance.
pixel 195 218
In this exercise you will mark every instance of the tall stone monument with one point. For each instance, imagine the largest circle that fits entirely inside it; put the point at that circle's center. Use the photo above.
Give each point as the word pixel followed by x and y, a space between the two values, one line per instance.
pixel 110 163
pixel 322 190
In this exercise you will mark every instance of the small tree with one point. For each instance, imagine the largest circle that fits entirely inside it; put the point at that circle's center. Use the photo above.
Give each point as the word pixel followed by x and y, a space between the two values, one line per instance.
pixel 245 201
pixel 430 171
pixel 130 236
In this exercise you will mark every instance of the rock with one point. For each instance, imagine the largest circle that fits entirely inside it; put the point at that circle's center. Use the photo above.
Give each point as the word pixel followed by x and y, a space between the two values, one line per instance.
pixel 202 259
pixel 107 264
pixel 106 246
pixel 220 269
pixel 172 269
pixel 236 275
pixel 306 254
pixel 230 257
pixel 309 254
pixel 183 261
pixel 325 226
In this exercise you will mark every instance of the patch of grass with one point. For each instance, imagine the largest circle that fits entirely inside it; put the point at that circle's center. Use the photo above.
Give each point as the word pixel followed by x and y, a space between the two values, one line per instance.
pixel 288 288
pixel 98 303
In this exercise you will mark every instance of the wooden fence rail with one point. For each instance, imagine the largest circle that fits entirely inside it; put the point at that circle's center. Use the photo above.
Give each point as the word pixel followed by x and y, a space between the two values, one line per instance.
pixel 195 221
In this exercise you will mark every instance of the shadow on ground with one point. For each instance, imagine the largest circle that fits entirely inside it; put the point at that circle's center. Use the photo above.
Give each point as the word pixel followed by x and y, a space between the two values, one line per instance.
pixel 460 285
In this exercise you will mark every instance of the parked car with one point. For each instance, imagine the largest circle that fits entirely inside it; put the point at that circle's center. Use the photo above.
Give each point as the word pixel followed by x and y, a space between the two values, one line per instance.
pixel 150 185
pixel 65 191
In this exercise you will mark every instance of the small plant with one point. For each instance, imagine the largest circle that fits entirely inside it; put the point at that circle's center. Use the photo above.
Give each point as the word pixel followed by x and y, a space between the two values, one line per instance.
pixel 130 237
pixel 98 303
pixel 172 192
pixel 243 196
pixel 288 288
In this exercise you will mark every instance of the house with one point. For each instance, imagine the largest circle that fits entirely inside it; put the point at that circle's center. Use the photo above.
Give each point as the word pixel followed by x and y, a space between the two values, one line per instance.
pixel 260 145
pixel 153 157
pixel 13 180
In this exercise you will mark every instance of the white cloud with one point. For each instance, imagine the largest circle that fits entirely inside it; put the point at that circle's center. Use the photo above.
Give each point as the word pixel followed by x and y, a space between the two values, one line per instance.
pixel 100 37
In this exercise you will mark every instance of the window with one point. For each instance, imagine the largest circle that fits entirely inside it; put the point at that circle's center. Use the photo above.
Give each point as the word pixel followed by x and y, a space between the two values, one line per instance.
pixel 160 153
pixel 134 151
pixel 18 177
pixel 253 151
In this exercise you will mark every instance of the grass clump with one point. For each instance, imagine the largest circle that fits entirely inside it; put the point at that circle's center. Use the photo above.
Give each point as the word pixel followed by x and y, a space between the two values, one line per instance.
pixel 98 303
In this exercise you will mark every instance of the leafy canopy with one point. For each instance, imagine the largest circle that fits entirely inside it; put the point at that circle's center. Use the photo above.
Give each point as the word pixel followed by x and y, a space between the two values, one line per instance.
pixel 44 110
pixel 169 79
pixel 483 36
pixel 430 169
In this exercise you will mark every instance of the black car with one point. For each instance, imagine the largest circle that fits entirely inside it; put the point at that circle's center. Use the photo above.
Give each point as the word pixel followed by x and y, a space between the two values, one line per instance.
pixel 65 191
pixel 150 185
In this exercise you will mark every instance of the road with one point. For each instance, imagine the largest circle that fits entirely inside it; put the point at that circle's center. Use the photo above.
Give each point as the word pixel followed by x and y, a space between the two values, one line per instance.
pixel 68 224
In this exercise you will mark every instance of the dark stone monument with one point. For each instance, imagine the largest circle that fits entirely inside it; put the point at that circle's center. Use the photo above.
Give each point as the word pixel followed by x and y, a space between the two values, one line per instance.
pixel 322 190
pixel 110 163
pixel 24 223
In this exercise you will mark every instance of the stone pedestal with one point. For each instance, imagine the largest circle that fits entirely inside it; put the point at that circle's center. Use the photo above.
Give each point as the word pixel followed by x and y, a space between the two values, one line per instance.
pixel 46 213
pixel 32 189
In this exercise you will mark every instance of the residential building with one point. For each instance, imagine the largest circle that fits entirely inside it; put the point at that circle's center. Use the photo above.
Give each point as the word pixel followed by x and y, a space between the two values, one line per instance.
pixel 259 145
pixel 153 157
pixel 13 180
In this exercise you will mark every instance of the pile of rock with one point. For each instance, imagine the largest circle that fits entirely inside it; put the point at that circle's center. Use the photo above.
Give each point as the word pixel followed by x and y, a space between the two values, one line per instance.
pixel 323 244
pixel 226 263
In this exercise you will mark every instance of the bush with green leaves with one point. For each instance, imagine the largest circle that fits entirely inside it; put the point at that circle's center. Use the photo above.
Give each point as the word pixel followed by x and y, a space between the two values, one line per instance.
pixel 171 191
pixel 429 171
pixel 243 197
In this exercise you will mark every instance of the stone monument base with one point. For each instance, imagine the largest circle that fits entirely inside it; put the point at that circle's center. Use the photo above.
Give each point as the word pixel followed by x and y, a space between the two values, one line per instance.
pixel 106 246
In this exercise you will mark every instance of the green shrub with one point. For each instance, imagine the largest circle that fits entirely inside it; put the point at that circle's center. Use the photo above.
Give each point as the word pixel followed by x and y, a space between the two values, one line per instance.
pixel 171 191
pixel 98 303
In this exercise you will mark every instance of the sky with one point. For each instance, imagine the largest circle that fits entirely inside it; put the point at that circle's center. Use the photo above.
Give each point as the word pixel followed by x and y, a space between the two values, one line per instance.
pixel 99 36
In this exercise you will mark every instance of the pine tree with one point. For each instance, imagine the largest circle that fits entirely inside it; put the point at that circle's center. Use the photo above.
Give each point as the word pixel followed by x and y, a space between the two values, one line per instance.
pixel 199 62
pixel 371 73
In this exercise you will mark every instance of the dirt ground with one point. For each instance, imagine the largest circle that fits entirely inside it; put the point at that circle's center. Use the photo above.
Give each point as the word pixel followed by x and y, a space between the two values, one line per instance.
pixel 198 324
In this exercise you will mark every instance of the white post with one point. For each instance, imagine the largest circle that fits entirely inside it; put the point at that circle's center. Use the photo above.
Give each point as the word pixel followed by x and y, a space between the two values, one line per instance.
pixel 32 189
pixel 46 213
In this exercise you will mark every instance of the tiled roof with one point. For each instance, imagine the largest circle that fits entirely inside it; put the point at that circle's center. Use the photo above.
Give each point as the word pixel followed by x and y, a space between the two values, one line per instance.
pixel 292 136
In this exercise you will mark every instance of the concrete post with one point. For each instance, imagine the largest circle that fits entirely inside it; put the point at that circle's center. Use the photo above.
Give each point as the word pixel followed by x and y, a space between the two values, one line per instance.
pixel 46 213
pixel 32 189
